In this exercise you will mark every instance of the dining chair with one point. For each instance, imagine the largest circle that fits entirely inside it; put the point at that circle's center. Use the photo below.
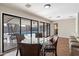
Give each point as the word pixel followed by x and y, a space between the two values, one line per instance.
pixel 52 47
pixel 29 49
pixel 19 38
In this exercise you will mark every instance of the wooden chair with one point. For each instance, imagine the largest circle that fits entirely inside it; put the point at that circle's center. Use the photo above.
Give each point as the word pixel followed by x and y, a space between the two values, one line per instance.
pixel 19 39
pixel 29 49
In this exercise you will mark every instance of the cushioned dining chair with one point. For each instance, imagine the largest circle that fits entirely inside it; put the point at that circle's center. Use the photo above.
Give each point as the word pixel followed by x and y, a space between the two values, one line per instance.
pixel 52 47
pixel 19 38
pixel 29 49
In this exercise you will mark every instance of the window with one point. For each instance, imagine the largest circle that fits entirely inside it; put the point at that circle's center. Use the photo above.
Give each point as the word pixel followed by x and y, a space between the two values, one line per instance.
pixel 47 29
pixel 47 32
pixel 26 29
pixel 11 27
pixel 41 30
pixel 34 31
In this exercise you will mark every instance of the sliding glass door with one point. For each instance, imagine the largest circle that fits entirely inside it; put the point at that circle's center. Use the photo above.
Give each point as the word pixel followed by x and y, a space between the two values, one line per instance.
pixel 41 30
pixel 34 31
pixel 11 28
pixel 26 30
pixel 47 32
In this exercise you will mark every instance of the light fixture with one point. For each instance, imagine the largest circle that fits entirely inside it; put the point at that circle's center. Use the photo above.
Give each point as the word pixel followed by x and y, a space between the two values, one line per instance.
pixel 28 5
pixel 47 5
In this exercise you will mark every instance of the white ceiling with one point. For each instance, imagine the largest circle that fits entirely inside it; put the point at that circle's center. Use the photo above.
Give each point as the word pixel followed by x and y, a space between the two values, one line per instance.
pixel 64 10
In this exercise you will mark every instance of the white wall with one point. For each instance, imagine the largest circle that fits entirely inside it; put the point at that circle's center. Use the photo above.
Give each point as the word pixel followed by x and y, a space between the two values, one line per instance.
pixel 66 27
pixel 8 10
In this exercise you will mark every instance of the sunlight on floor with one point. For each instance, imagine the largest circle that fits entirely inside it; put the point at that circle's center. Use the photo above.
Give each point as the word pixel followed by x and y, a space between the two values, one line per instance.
pixel 13 53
